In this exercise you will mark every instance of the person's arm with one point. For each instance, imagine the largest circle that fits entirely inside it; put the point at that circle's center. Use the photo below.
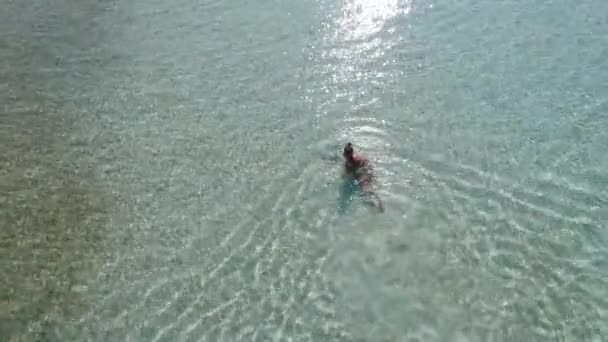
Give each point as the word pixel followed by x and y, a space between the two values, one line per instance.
pixel 365 168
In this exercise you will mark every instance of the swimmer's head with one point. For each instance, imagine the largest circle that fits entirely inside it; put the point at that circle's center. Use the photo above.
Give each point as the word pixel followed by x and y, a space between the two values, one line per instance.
pixel 348 151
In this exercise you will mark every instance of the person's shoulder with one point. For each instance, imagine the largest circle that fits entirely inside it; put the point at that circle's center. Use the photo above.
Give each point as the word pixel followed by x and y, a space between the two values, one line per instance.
pixel 361 158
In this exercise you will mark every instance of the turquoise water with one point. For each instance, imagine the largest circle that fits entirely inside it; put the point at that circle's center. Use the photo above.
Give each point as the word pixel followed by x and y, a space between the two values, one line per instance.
pixel 170 170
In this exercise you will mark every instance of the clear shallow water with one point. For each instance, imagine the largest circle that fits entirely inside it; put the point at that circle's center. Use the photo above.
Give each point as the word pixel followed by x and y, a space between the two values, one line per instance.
pixel 168 170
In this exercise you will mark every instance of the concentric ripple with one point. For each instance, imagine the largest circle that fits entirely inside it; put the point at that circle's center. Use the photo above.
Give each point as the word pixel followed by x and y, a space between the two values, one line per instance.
pixel 256 275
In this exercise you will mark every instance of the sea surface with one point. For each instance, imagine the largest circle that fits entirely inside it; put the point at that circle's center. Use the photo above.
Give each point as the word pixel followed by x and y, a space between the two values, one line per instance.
pixel 171 170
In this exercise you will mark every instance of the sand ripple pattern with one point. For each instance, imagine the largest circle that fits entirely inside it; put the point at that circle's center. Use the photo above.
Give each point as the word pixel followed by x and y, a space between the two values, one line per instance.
pixel 489 155
pixel 524 256
pixel 264 279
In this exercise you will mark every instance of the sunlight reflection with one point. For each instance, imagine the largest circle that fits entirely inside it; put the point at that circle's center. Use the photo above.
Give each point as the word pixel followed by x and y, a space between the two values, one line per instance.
pixel 357 40
pixel 363 18
pixel 357 45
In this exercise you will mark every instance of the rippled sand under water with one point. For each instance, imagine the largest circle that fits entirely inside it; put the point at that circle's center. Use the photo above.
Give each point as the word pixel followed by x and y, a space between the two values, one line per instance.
pixel 171 171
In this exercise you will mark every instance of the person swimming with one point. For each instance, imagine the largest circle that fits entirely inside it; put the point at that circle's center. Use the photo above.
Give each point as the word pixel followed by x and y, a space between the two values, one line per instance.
pixel 361 169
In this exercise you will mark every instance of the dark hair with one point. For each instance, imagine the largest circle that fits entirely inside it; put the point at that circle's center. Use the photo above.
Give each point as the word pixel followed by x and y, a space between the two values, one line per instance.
pixel 348 149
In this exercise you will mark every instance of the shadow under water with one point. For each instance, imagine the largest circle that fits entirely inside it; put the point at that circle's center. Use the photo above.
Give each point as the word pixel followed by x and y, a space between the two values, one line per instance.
pixel 348 192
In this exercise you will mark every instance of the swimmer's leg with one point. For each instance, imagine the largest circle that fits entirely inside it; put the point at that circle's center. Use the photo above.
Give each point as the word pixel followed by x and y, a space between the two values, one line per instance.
pixel 378 201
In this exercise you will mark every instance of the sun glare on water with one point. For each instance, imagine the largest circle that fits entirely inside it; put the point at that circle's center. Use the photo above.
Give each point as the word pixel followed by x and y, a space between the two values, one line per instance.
pixel 363 18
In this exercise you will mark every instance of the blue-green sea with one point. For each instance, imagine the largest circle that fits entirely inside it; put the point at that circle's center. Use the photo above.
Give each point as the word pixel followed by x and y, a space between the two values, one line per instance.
pixel 172 170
